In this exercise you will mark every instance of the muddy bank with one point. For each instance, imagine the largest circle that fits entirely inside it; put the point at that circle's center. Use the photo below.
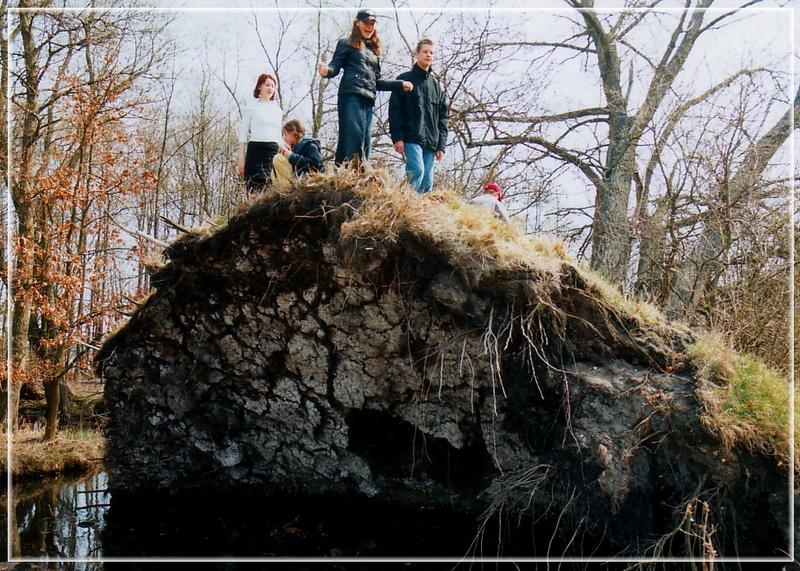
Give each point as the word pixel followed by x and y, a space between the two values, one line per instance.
pixel 72 452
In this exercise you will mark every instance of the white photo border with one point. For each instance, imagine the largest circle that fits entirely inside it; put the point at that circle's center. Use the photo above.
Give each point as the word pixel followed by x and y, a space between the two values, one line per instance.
pixel 9 308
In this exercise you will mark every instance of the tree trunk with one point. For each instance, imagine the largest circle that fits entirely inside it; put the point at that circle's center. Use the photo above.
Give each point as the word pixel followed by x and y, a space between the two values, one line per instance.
pixel 650 271
pixel 52 394
pixel 21 320
pixel 610 230
pixel 3 88
pixel 20 355
pixel 611 238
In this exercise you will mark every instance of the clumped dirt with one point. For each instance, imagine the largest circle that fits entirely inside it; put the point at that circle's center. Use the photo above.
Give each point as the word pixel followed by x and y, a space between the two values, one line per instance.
pixel 287 355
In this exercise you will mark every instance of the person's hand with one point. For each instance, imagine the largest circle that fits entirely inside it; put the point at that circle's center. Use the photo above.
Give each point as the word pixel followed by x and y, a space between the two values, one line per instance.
pixel 439 155
pixel 322 69
pixel 285 151
pixel 240 168
pixel 407 86
pixel 400 147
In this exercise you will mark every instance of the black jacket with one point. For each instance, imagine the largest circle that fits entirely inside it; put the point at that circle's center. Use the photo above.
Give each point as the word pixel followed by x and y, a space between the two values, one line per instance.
pixel 306 157
pixel 419 116
pixel 362 71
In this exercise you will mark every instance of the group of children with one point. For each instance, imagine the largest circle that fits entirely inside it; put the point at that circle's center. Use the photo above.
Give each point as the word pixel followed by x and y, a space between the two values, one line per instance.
pixel 417 118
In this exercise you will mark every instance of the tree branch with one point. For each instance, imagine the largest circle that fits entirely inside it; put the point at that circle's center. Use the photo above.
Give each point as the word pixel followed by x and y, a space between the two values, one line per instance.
pixel 716 21
pixel 537 119
pixel 541 45
pixel 555 150
pixel 671 63
pixel 676 117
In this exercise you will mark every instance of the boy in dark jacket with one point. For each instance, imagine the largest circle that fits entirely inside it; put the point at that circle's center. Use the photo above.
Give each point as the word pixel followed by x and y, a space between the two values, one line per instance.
pixel 418 120
pixel 300 154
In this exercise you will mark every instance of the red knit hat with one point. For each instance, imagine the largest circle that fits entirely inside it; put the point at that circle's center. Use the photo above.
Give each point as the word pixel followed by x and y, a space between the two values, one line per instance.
pixel 495 188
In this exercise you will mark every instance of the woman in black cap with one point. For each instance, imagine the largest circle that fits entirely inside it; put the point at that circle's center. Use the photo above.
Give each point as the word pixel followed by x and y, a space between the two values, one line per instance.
pixel 359 56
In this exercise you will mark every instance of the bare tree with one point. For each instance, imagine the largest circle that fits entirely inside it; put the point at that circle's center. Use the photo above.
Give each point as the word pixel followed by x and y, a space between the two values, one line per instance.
pixel 702 265
pixel 73 87
pixel 610 166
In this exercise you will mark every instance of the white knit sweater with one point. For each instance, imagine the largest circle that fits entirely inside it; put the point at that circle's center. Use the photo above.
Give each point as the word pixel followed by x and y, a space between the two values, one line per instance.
pixel 261 121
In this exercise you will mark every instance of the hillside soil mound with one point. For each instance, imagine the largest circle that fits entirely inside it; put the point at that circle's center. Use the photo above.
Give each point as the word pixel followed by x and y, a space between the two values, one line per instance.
pixel 351 338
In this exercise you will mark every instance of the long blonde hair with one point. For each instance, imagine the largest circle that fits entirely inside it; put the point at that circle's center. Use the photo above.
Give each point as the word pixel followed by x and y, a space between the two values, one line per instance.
pixel 356 40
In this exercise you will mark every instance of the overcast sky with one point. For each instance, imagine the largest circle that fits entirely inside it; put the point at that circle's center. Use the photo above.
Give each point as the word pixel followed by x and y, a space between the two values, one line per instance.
pixel 763 36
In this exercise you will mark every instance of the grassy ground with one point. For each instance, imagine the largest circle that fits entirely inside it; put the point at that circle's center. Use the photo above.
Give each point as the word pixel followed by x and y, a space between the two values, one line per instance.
pixel 745 401
pixel 72 449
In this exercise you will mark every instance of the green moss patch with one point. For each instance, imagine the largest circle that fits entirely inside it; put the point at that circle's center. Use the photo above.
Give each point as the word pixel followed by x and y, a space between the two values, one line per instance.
pixel 745 401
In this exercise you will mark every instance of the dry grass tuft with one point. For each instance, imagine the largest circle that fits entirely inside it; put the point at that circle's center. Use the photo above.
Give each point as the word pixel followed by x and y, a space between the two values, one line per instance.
pixel 384 209
pixel 745 402
pixel 643 311
pixel 72 449
pixel 463 233
pixel 387 208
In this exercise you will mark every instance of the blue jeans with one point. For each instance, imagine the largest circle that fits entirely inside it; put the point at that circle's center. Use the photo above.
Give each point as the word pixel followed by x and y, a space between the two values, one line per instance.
pixel 419 167
pixel 355 127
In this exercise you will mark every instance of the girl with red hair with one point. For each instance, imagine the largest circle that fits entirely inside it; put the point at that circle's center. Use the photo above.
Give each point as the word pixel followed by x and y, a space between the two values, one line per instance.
pixel 260 134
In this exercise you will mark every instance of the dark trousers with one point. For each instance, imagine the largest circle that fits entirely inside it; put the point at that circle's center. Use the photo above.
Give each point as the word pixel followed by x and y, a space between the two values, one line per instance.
pixel 355 127
pixel 258 164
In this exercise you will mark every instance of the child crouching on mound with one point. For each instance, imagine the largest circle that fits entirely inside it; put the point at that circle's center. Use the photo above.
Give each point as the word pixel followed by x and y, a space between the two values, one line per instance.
pixel 299 155
pixel 490 200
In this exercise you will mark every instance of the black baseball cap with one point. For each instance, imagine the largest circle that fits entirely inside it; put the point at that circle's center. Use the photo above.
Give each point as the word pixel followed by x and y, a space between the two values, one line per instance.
pixel 366 15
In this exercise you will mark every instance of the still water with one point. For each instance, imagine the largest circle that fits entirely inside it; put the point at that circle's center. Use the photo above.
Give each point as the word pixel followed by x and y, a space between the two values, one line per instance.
pixel 57 518
pixel 78 518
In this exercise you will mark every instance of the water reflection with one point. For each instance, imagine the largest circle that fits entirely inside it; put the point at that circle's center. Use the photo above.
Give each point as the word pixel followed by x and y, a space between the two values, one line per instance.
pixel 58 518
pixel 248 525
pixel 77 519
